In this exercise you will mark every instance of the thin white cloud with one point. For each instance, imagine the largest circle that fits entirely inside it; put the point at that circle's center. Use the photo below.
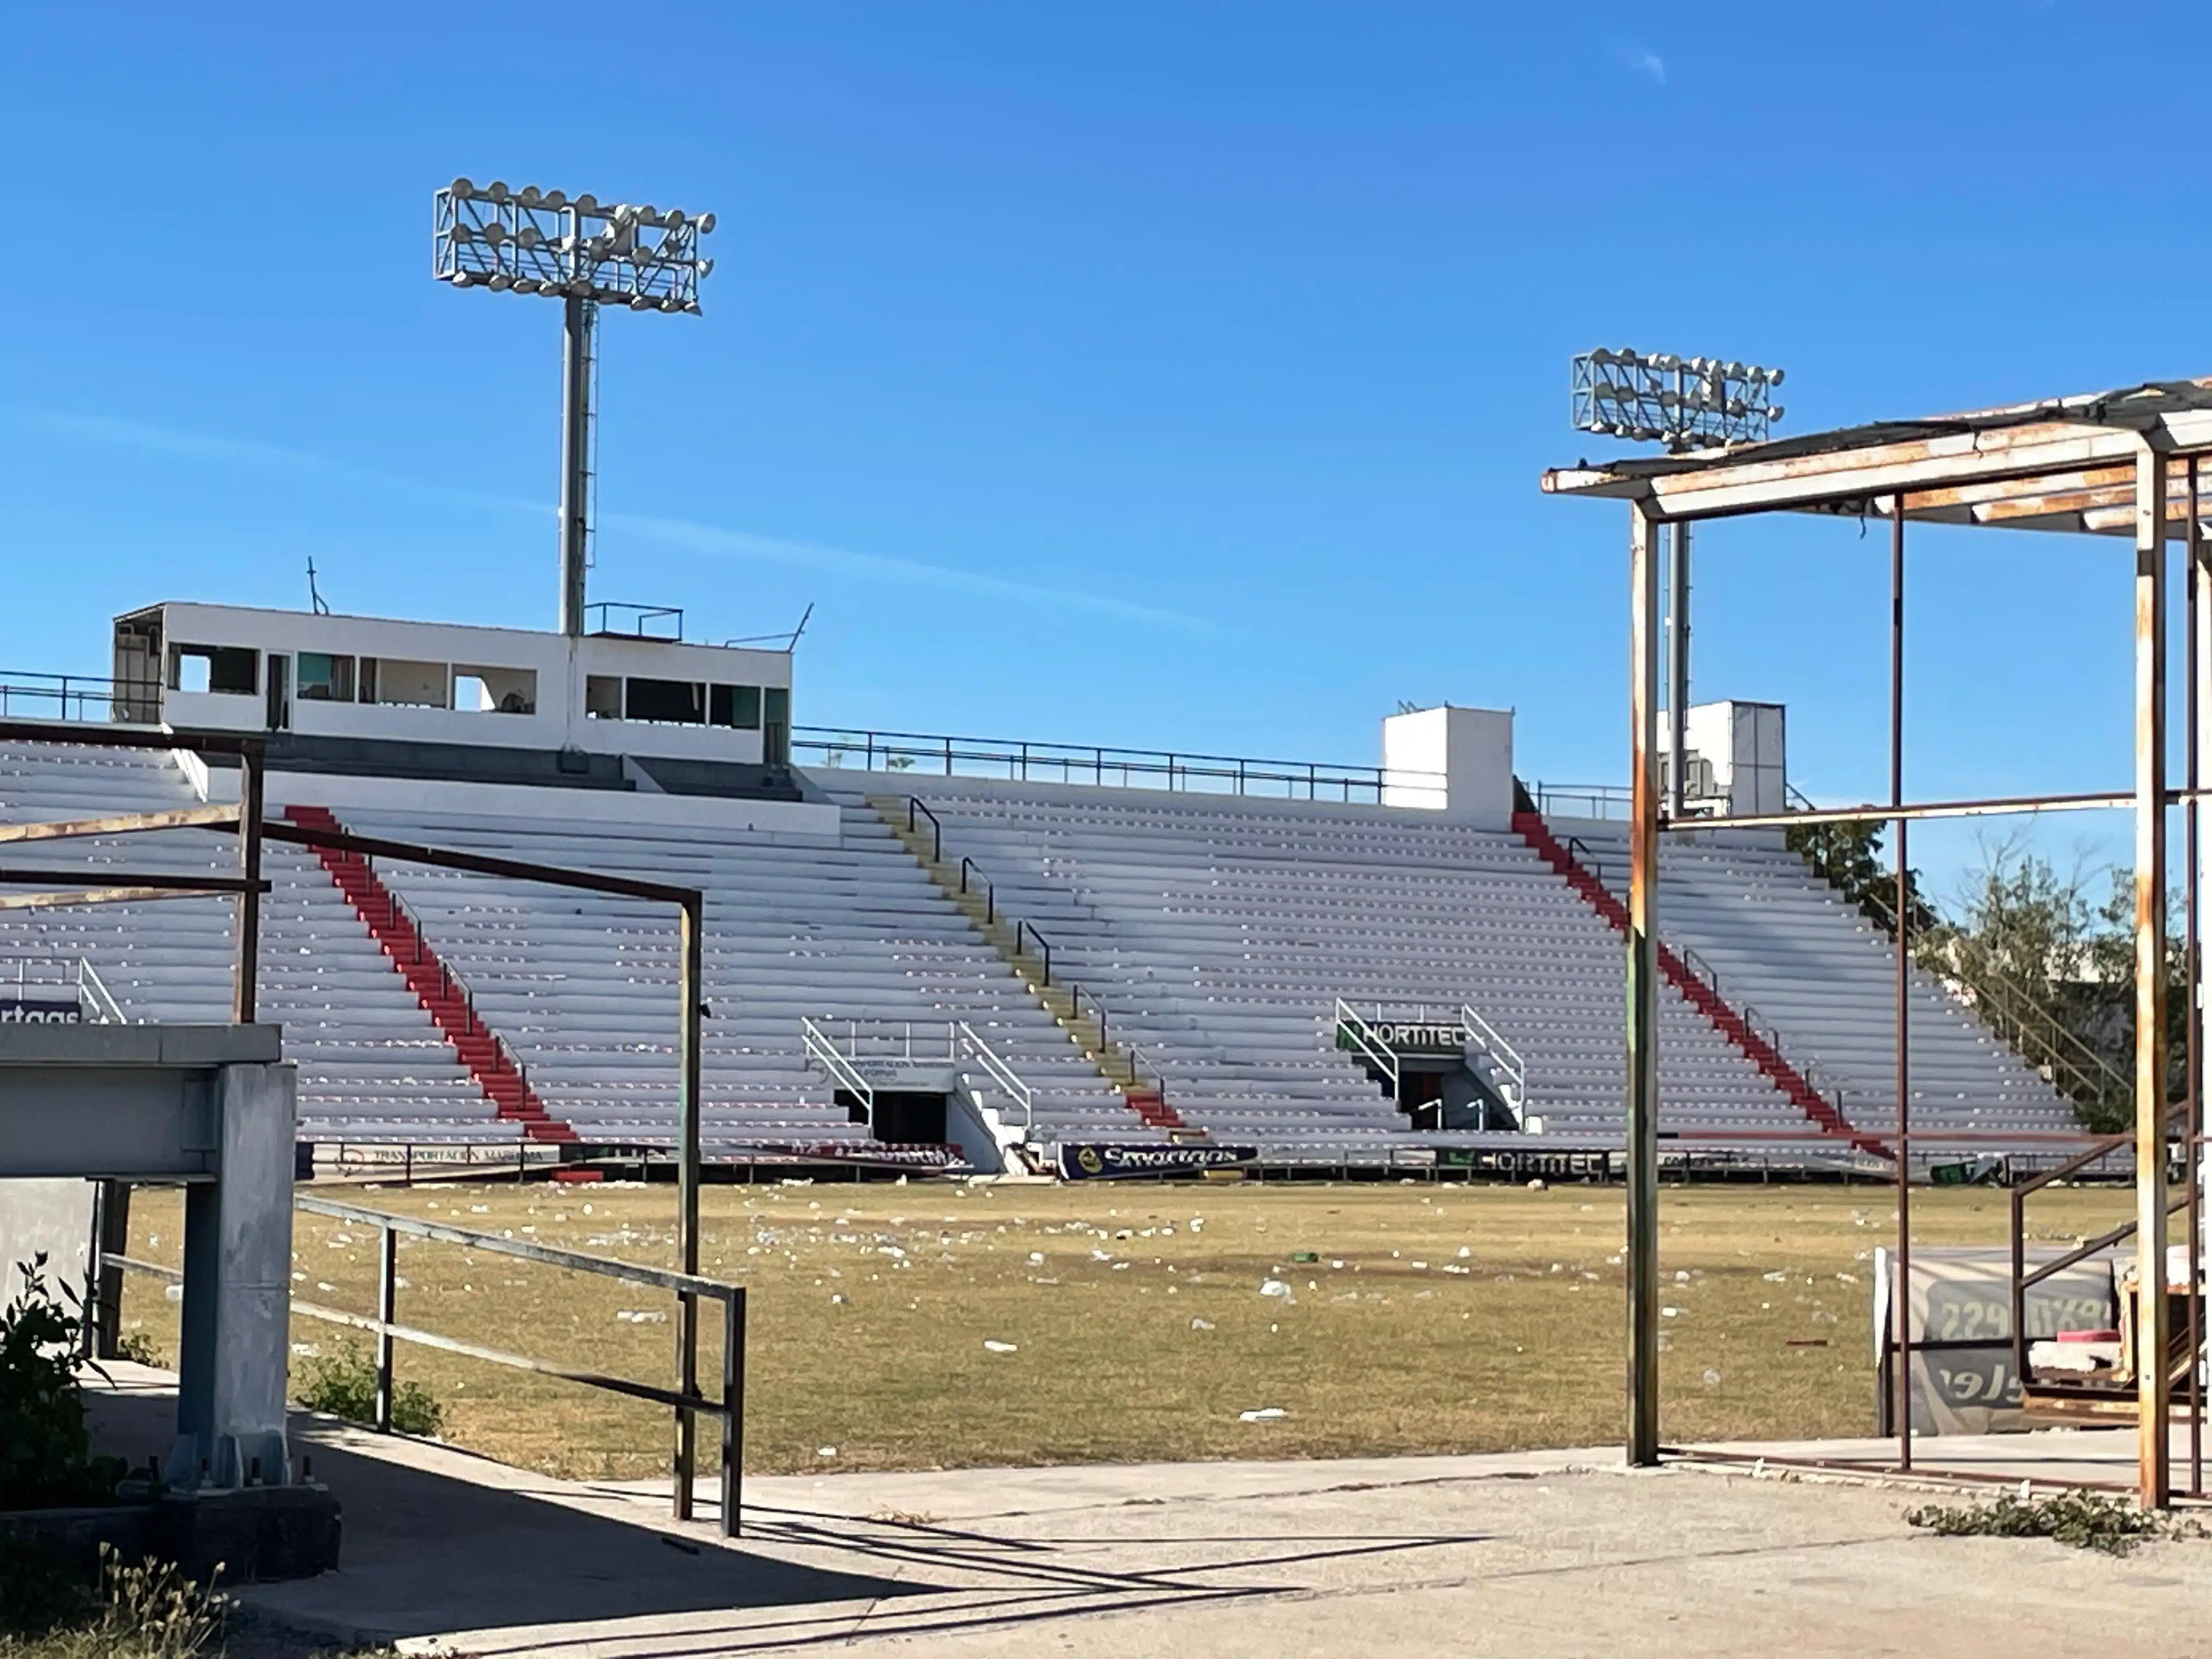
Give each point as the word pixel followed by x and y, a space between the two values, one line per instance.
pixel 844 561
pixel 1644 62
pixel 672 533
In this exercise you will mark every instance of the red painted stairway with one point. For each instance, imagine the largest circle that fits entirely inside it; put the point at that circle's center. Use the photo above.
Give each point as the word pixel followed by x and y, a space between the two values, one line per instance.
pixel 1532 829
pixel 1153 1107
pixel 443 997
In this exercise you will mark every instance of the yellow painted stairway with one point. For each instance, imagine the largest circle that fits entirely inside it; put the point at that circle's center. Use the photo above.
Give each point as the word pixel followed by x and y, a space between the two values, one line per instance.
pixel 1076 1011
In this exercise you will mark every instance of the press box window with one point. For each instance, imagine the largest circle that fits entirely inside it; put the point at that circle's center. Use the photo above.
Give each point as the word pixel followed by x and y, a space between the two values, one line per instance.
pixel 603 696
pixel 235 670
pixel 676 703
pixel 325 678
pixel 738 706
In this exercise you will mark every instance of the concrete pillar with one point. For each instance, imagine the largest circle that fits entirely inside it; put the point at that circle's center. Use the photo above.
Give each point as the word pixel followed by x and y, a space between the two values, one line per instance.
pixel 236 1341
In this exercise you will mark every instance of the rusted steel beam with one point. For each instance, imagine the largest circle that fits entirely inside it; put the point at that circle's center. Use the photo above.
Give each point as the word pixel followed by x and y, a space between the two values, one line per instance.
pixel 2153 1485
pixel 86 735
pixel 1870 812
pixel 122 823
pixel 162 881
pixel 402 851
pixel 1900 1301
pixel 102 896
pixel 2192 970
pixel 1642 1158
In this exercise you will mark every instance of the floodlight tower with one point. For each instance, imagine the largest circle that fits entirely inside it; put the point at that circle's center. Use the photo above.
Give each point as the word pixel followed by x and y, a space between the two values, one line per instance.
pixel 572 249
pixel 1685 403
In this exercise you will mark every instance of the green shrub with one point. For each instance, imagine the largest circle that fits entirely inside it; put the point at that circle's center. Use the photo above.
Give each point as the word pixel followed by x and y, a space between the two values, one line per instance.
pixel 45 1454
pixel 2088 1521
pixel 144 1611
pixel 343 1383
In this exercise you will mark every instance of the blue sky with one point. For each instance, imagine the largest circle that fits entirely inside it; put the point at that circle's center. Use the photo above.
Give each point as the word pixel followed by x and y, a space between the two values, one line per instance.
pixel 1174 376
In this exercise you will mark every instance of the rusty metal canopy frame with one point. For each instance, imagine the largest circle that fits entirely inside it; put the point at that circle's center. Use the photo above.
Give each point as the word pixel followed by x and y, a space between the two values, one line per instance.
pixel 2123 463
pixel 247 818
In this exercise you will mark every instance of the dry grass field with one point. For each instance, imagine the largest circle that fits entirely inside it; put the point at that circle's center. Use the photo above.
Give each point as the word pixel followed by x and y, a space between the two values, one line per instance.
pixel 1430 1318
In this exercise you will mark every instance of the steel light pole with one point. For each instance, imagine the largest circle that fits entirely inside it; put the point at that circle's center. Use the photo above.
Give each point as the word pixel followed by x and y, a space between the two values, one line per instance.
pixel 585 255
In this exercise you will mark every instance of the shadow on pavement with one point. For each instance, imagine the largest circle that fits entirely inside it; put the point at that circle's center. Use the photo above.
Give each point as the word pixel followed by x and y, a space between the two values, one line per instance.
pixel 425 1553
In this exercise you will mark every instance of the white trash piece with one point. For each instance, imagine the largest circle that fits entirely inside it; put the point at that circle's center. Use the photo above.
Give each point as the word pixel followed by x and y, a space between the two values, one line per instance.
pixel 1265 1414
pixel 1201 1324
pixel 640 1317
pixel 1275 1287
pixel 995 1347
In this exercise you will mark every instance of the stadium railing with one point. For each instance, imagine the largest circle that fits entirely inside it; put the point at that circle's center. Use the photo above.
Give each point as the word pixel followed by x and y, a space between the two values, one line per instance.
pixel 728 1407
pixel 1062 763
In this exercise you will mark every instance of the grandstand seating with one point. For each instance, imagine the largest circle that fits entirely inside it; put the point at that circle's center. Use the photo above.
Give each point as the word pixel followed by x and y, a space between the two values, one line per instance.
pixel 1220 931
pixel 1217 933
pixel 1824 977
pixel 582 987
pixel 372 1065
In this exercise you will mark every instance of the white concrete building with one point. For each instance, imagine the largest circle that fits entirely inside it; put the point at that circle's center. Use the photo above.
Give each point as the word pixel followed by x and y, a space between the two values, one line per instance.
pixel 236 668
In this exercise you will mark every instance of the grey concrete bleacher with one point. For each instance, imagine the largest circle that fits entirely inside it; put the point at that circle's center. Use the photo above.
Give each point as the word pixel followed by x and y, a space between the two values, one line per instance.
pixel 372 1065
pixel 1822 975
pixel 583 988
pixel 1220 932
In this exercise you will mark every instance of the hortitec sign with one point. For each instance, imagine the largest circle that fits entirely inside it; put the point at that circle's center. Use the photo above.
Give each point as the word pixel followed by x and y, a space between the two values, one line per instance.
pixel 1406 1037
pixel 1091 1160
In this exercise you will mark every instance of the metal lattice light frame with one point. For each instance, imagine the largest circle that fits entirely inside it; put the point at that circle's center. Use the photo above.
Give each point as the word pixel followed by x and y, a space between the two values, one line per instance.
pixel 534 241
pixel 1685 403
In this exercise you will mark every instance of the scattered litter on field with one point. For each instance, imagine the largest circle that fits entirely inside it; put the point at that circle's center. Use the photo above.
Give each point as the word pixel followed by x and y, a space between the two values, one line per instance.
pixel 1036 1258
pixel 642 1317
pixel 836 1300
pixel 1201 1324
pixel 1265 1414
pixel 1669 1313
pixel 1777 1277
pixel 819 1451
pixel 1464 1252
pixel 1681 1275
pixel 1304 1255
pixel 1712 1378
pixel 307 1350
pixel 1337 1262
pixel 1537 1185
pixel 995 1347
pixel 1276 1287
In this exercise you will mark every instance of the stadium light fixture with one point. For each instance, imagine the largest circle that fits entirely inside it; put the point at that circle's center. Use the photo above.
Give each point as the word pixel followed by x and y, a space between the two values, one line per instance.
pixel 572 248
pixel 1684 403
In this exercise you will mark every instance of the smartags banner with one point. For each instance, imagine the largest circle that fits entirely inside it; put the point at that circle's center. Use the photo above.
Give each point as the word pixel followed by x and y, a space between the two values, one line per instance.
pixel 1094 1160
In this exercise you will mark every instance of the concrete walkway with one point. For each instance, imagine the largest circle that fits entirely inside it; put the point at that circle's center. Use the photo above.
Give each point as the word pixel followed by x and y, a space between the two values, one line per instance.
pixel 1532 1555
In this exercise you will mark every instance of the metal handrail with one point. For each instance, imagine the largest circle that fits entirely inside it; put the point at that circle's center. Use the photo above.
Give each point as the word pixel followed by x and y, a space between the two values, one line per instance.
pixel 1001 1074
pixel 1350 1019
pixel 1105 766
pixel 2023 1280
pixel 1044 945
pixel 914 805
pixel 729 1407
pixel 92 988
pixel 990 892
pixel 1487 1037
pixel 843 1073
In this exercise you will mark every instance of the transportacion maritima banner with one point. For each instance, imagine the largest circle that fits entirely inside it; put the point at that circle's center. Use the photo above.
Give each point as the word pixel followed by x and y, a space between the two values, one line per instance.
pixel 1098 1160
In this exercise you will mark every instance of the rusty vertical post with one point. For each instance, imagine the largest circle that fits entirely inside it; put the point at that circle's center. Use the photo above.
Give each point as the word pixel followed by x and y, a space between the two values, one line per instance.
pixel 1900 1300
pixel 1643 1154
pixel 1678 670
pixel 2193 1016
pixel 246 964
pixel 2151 1357
pixel 691 935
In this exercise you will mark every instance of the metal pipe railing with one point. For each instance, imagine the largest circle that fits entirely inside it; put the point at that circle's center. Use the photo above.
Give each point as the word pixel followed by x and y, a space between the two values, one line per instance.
pixel 728 1407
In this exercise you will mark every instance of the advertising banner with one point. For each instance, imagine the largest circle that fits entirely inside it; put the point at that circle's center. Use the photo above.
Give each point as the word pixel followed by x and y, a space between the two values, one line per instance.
pixel 1094 1160
pixel 35 1008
